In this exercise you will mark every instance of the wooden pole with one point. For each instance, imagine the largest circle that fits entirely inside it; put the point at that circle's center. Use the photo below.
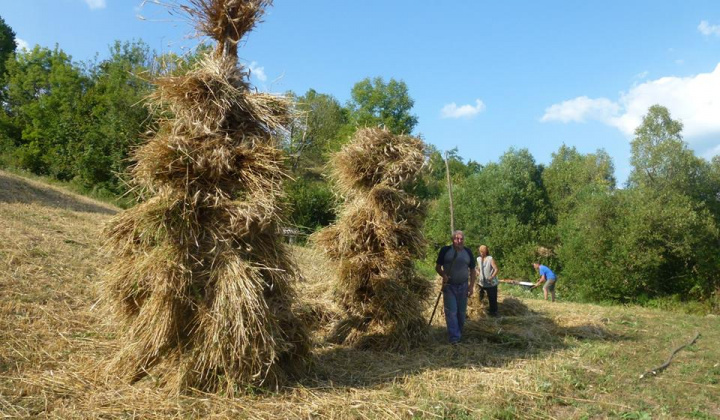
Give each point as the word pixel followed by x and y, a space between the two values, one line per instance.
pixel 452 227
pixel 449 182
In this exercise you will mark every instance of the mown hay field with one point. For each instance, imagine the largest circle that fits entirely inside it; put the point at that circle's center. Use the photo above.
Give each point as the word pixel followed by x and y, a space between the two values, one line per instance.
pixel 539 360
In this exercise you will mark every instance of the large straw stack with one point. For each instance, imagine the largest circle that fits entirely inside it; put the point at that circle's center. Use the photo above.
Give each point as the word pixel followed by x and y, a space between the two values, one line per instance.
pixel 198 272
pixel 375 240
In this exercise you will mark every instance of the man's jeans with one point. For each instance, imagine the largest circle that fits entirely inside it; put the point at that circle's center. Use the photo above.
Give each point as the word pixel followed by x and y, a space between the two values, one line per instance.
pixel 455 304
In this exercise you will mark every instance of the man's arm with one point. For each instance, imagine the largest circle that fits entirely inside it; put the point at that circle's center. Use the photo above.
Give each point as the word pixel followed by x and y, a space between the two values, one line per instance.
pixel 441 272
pixel 540 281
pixel 473 277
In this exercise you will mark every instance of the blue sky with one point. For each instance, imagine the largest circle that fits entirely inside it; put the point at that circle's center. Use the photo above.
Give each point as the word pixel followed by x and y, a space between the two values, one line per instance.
pixel 485 75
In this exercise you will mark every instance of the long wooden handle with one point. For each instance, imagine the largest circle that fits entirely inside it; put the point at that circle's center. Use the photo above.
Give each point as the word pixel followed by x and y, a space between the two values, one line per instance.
pixel 435 308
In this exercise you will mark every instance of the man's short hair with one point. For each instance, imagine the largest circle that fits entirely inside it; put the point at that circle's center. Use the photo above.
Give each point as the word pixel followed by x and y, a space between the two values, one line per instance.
pixel 456 232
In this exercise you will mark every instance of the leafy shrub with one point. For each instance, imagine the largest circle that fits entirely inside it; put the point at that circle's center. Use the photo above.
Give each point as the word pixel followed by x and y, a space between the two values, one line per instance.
pixel 312 204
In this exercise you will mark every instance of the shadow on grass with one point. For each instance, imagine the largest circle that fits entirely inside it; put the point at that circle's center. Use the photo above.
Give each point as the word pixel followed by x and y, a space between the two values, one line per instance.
pixel 519 333
pixel 14 189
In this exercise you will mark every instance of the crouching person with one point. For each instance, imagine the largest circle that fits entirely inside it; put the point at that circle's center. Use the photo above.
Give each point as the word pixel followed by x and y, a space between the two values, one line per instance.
pixel 547 276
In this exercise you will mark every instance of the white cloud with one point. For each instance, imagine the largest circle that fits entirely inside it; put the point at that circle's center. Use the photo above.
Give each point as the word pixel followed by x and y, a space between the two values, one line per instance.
pixel 581 109
pixel 694 100
pixel 463 111
pixel 258 72
pixel 707 29
pixel 96 4
pixel 22 44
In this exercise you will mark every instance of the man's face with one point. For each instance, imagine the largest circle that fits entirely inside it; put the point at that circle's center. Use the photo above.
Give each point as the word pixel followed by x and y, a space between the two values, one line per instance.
pixel 459 240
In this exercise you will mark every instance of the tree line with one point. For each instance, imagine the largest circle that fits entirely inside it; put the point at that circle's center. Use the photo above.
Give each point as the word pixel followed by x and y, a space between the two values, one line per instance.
pixel 657 237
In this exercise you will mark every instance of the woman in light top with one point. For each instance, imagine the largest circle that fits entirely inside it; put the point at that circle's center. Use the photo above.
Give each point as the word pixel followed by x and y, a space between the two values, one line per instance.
pixel 487 272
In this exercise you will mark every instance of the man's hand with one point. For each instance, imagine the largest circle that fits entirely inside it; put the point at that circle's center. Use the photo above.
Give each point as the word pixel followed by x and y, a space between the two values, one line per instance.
pixel 441 272
pixel 470 291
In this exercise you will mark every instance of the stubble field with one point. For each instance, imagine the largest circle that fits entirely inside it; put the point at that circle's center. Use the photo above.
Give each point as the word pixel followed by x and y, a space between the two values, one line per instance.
pixel 538 360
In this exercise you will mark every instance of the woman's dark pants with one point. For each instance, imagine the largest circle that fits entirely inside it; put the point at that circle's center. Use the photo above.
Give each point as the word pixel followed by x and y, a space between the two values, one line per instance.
pixel 492 299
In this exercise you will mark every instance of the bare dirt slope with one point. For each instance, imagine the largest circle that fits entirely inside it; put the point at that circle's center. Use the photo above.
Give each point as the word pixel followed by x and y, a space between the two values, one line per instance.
pixel 537 361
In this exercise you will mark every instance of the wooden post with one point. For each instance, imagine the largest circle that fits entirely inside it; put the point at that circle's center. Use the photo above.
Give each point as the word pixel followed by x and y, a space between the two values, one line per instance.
pixel 449 182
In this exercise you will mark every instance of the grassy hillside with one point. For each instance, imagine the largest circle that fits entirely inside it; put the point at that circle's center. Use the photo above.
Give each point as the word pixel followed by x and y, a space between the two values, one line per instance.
pixel 540 360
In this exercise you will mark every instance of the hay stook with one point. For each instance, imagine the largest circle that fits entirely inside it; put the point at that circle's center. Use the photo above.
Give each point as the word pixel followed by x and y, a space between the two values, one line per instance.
pixel 375 240
pixel 198 272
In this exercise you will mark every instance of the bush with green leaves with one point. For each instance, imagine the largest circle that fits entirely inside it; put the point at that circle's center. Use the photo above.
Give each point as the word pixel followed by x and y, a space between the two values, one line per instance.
pixel 75 123
pixel 657 238
pixel 502 205
pixel 312 204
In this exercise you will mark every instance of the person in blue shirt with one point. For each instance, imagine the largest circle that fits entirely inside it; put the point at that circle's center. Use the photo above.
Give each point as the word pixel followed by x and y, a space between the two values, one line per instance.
pixel 547 276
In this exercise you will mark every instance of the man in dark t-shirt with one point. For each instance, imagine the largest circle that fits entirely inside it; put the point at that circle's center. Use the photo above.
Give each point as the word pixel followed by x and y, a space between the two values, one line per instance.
pixel 456 264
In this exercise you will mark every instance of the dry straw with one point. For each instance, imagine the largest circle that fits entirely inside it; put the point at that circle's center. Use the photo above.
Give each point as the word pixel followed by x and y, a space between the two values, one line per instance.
pixel 198 273
pixel 375 240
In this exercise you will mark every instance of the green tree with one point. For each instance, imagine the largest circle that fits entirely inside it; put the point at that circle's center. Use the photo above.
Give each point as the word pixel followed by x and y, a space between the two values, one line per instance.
pixel 656 238
pixel 592 265
pixel 7 44
pixel 312 204
pixel 671 231
pixel 504 206
pixel 713 187
pixel 375 103
pixel 571 174
pixel 660 158
pixel 117 117
pixel 662 161
pixel 667 245
pixel 8 131
pixel 317 130
pixel 46 107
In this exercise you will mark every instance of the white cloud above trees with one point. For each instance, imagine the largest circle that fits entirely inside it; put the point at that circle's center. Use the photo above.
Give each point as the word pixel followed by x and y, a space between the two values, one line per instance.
pixel 581 109
pixel 452 110
pixel 694 100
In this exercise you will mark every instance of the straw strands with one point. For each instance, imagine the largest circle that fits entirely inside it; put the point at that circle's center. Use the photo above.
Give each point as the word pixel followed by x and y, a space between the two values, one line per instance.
pixel 226 21
pixel 198 273
pixel 509 306
pixel 376 239
pixel 553 361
